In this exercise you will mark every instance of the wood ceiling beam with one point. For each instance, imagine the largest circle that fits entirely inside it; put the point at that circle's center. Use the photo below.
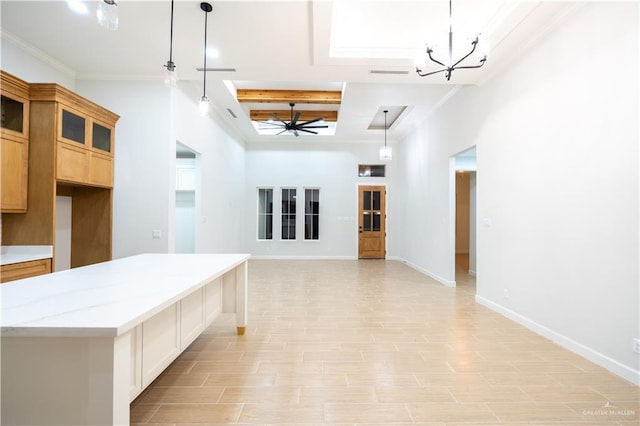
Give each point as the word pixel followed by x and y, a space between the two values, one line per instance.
pixel 265 115
pixel 328 97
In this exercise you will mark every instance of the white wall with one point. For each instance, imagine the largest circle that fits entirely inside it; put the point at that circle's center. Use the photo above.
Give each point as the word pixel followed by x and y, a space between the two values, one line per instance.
pixel 219 228
pixel 153 119
pixel 304 164
pixel 557 191
pixel 143 158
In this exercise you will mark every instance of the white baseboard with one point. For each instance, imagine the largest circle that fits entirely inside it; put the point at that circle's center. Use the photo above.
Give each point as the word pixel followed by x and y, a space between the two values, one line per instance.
pixel 596 357
pixel 430 274
pixel 269 257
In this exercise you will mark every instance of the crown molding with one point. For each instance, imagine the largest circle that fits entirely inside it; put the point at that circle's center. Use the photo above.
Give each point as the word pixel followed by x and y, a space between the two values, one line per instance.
pixel 38 54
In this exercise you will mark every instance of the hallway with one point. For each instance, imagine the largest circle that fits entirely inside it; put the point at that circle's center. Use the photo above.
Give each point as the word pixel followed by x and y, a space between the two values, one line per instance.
pixel 376 342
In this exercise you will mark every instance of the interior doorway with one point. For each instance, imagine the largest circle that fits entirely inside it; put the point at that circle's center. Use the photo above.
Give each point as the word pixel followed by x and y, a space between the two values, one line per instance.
pixel 372 222
pixel 464 217
pixel 187 199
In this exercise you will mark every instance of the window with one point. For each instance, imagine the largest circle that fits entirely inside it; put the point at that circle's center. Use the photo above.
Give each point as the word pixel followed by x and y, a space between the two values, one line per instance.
pixel 288 213
pixel 265 214
pixel 371 170
pixel 311 213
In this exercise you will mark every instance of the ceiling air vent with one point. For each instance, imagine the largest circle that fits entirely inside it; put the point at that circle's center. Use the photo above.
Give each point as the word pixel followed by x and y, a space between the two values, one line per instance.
pixel 391 72
pixel 217 69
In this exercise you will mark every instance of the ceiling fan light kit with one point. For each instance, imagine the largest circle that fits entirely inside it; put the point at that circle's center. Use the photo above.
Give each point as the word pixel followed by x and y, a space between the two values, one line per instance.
pixel 293 126
pixel 448 66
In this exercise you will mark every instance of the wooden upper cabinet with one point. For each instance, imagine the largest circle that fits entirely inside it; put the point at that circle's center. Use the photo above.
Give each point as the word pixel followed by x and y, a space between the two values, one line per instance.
pixel 84 136
pixel 14 137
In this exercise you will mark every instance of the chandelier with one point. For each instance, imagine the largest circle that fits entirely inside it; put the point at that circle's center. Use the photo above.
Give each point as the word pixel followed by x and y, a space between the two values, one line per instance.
pixel 448 66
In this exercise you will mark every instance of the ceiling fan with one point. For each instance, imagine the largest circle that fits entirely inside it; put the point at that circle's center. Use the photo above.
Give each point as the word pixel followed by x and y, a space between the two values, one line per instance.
pixel 293 126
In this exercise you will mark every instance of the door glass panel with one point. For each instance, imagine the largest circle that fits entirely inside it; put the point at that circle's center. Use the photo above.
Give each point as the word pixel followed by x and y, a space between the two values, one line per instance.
pixel 366 221
pixel 12 114
pixel 376 222
pixel 376 200
pixel 366 200
pixel 72 127
pixel 101 137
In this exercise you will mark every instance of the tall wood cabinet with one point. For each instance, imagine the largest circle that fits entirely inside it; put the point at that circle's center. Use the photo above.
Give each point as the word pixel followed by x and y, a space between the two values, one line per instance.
pixel 14 140
pixel 70 154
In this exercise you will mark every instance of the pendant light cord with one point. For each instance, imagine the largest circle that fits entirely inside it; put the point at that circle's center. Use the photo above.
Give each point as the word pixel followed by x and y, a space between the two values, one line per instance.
pixel 450 63
pixel 206 13
pixel 171 36
pixel 385 128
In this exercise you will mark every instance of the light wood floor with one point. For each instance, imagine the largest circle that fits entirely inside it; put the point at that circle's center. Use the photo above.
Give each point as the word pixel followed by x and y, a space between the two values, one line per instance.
pixel 376 342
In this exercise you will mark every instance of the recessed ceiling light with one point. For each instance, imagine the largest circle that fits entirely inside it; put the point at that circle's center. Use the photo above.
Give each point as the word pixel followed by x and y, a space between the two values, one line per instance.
pixel 78 6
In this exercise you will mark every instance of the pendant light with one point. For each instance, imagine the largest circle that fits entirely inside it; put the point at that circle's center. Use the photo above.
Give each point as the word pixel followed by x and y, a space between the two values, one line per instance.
pixel 385 151
pixel 170 73
pixel 107 14
pixel 204 100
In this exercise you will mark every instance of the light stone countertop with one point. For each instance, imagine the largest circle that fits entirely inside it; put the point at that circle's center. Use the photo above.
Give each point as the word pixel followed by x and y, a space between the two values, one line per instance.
pixel 18 254
pixel 108 298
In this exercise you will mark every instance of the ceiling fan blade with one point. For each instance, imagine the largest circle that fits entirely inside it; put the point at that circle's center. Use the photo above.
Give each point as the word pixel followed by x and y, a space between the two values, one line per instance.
pixel 295 132
pixel 270 123
pixel 308 131
pixel 312 121
pixel 278 118
pixel 295 119
pixel 312 127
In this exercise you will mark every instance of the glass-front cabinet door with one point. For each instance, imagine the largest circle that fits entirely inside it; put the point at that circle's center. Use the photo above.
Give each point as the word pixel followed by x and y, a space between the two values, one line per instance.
pixel 73 126
pixel 85 130
pixel 14 115
pixel 101 137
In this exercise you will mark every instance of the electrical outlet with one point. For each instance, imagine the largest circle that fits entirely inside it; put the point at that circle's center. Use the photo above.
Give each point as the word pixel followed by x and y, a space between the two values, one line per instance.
pixel 505 293
pixel 636 346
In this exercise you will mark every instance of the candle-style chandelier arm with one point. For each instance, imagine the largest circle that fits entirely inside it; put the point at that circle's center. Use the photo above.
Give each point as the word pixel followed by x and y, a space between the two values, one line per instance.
pixel 429 51
pixel 482 62
pixel 422 74
pixel 474 44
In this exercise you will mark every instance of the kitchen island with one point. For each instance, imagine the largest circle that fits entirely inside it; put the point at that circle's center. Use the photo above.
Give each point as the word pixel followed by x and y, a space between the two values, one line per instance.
pixel 79 345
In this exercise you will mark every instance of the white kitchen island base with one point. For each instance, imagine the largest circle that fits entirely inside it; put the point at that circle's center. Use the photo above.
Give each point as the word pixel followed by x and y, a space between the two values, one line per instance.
pixel 78 346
